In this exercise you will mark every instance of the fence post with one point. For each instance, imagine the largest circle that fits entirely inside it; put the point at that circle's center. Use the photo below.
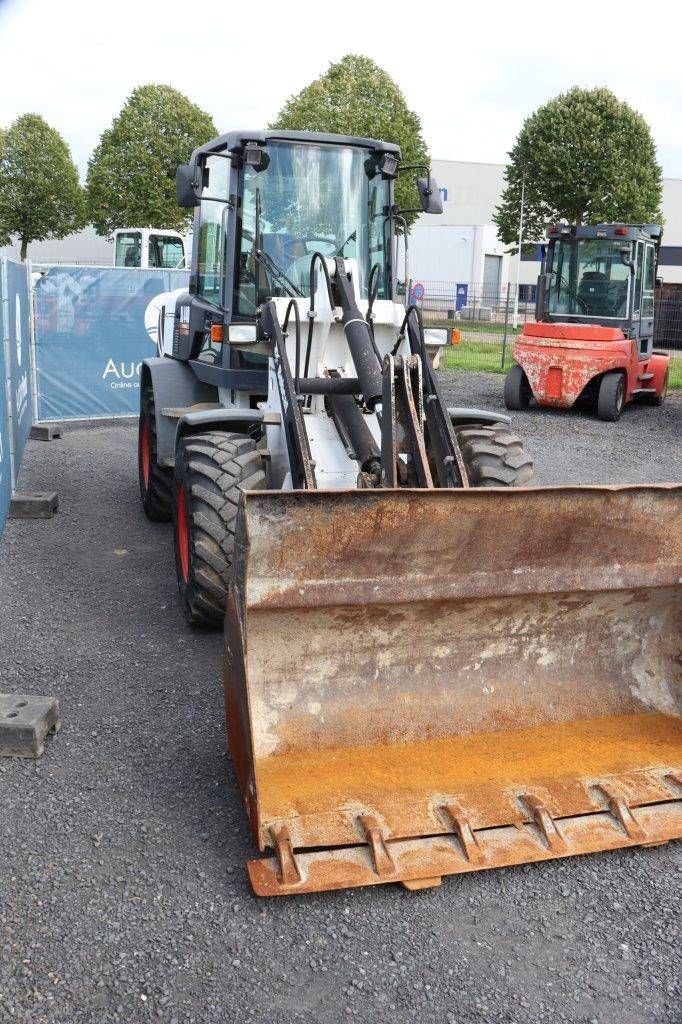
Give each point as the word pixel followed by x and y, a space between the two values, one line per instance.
pixel 32 340
pixel 7 382
pixel 506 326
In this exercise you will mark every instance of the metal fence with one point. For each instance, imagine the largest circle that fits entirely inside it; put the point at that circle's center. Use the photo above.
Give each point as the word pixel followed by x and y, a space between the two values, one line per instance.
pixel 484 321
pixel 90 337
pixel 16 381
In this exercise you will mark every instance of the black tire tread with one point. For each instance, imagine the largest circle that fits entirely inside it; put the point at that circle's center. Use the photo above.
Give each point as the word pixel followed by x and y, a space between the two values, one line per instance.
pixel 517 389
pixel 215 467
pixel 494 455
pixel 157 499
pixel 606 400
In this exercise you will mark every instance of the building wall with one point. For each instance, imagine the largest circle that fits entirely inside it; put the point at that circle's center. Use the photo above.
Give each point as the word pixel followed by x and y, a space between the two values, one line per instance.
pixel 84 246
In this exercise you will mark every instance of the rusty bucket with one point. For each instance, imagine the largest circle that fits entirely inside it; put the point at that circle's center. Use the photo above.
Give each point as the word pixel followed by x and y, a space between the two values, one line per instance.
pixel 421 683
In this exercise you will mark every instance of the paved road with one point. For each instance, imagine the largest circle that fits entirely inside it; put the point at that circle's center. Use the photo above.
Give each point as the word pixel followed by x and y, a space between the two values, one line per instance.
pixel 123 895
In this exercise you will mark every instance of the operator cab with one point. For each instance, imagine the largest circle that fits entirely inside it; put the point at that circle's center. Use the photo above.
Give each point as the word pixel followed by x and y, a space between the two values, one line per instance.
pixel 271 205
pixel 602 274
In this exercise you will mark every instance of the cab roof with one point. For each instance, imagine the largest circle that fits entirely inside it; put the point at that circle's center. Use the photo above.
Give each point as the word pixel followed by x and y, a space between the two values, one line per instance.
pixel 234 142
pixel 616 232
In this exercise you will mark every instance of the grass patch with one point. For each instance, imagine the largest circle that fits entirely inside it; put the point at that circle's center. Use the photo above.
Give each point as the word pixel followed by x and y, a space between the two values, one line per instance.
pixel 477 355
pixel 675 374
pixel 473 327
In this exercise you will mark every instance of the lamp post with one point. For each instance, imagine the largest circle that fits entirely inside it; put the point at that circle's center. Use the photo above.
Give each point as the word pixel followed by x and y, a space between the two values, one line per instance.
pixel 518 260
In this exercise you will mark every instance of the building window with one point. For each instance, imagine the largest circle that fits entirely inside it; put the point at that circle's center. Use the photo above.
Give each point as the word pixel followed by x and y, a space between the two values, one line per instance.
pixel 527 293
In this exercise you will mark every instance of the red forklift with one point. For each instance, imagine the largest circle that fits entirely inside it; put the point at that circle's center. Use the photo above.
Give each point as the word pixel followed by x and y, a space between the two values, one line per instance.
pixel 594 331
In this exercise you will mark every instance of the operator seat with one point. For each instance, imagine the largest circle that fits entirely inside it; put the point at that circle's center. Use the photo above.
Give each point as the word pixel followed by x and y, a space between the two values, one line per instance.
pixel 593 293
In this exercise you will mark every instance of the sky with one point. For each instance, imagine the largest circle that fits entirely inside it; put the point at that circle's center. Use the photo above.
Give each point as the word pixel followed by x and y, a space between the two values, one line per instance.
pixel 473 72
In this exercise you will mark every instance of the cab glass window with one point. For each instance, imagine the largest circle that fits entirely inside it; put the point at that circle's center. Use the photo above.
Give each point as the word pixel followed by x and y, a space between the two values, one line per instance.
pixel 639 269
pixel 128 249
pixel 648 283
pixel 312 198
pixel 212 229
pixel 166 251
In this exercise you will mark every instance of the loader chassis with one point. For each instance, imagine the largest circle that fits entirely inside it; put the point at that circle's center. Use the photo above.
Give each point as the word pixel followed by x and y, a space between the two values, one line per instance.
pixel 421 677
pixel 593 336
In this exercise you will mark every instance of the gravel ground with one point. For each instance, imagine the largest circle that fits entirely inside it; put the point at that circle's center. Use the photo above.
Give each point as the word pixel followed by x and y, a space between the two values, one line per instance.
pixel 123 893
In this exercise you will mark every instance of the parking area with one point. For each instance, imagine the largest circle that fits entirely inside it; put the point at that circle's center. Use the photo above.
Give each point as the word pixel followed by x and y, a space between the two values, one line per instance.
pixel 123 890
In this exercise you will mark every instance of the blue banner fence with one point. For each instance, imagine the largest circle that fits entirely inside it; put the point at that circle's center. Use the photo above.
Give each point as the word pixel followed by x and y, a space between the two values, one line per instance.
pixel 90 338
pixel 16 391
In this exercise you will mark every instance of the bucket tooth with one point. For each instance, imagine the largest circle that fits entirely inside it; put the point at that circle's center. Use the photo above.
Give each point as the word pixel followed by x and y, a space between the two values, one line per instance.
pixel 543 821
pixel 673 781
pixel 383 862
pixel 289 873
pixel 621 812
pixel 464 832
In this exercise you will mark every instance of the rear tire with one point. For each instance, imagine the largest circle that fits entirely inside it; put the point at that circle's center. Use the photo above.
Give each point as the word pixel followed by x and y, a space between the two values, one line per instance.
pixel 494 455
pixel 156 481
pixel 611 396
pixel 211 470
pixel 517 389
pixel 660 399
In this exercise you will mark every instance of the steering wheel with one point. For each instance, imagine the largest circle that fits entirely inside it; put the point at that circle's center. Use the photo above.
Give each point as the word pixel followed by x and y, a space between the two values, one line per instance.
pixel 574 295
pixel 287 248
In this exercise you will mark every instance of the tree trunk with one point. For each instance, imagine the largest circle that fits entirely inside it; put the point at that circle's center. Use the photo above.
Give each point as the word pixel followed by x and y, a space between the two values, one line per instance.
pixel 24 249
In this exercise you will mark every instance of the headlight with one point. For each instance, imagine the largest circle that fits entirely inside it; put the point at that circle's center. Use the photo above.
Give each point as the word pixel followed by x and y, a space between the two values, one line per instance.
pixel 242 334
pixel 436 336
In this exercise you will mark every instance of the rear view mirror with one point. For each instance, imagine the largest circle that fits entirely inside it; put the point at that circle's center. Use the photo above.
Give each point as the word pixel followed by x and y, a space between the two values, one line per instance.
pixel 186 186
pixel 429 194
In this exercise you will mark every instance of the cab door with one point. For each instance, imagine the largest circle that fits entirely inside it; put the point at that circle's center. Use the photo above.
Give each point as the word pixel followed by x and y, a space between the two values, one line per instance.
pixel 646 322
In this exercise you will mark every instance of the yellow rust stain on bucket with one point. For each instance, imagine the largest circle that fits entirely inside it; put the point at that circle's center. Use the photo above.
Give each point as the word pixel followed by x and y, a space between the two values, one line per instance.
pixel 554 755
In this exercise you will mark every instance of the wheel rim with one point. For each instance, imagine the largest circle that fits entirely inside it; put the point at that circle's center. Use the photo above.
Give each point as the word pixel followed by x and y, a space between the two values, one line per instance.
pixel 145 452
pixel 182 533
pixel 620 396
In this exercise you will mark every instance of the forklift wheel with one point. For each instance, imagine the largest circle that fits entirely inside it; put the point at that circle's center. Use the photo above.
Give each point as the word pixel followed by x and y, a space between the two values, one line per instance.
pixel 660 398
pixel 211 470
pixel 611 396
pixel 517 390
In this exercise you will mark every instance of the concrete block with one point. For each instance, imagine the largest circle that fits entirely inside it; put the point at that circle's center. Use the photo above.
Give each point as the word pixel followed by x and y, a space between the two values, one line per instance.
pixel 25 721
pixel 44 432
pixel 40 505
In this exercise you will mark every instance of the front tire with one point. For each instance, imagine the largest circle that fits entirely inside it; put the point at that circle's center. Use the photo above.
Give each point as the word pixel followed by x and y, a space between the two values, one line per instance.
pixel 611 397
pixel 156 481
pixel 517 389
pixel 211 470
pixel 494 455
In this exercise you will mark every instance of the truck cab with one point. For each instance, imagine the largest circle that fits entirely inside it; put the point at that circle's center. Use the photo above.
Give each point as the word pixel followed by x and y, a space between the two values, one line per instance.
pixel 149 248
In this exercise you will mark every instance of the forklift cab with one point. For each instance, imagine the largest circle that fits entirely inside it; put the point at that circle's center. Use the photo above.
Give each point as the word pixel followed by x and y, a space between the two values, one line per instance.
pixel 602 274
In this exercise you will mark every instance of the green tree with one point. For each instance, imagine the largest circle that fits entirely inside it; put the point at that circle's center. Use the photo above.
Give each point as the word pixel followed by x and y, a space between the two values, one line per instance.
pixel 357 97
pixel 131 174
pixel 40 195
pixel 586 157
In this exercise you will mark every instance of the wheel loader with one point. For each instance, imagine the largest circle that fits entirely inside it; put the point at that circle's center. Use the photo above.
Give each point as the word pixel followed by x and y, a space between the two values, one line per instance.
pixel 430 668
